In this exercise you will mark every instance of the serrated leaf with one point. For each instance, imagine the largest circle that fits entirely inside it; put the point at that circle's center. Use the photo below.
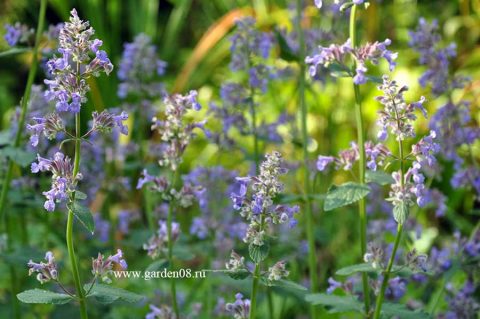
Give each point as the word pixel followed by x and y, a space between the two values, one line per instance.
pixel 400 311
pixel 335 303
pixel 238 274
pixel 157 265
pixel 350 270
pixel 345 194
pixel 400 212
pixel 43 296
pixel 108 294
pixel 258 253
pixel 378 177
pixel 84 216
pixel 18 155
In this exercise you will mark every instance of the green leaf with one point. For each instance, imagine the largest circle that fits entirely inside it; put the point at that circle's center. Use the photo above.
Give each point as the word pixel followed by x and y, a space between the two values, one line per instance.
pixel 400 212
pixel 398 270
pixel 258 253
pixel 107 294
pixel 346 6
pixel 390 310
pixel 18 155
pixel 157 265
pixel 345 194
pixel 350 270
pixel 238 274
pixel 378 177
pixel 13 51
pixel 285 52
pixel 80 195
pixel 289 285
pixel 374 79
pixel 84 216
pixel 6 138
pixel 43 296
pixel 335 303
pixel 182 253
pixel 21 255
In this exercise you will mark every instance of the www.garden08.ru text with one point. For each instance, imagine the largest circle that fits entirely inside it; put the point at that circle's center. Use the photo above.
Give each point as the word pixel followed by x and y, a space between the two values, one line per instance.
pixel 161 274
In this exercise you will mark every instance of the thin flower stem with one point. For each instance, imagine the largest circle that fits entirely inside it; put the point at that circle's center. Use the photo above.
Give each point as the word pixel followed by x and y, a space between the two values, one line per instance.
pixel 173 288
pixel 254 130
pixel 253 299
pixel 256 156
pixel 91 285
pixel 361 168
pixel 255 281
pixel 18 137
pixel 69 232
pixel 309 222
pixel 65 290
pixel 386 275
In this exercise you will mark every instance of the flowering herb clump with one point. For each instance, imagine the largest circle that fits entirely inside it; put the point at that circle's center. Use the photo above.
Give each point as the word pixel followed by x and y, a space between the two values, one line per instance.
pixel 119 176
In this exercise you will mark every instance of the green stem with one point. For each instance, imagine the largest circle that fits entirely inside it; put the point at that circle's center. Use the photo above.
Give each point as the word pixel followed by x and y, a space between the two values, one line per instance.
pixel 270 303
pixel 381 295
pixel 18 137
pixel 256 273
pixel 361 168
pixel 386 275
pixel 254 131
pixel 69 232
pixel 253 299
pixel 173 288
pixel 309 222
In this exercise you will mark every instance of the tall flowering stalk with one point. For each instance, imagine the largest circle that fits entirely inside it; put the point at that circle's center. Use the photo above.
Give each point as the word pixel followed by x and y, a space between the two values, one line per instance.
pixel 255 203
pixel 249 44
pixel 312 259
pixel 13 36
pixel 176 135
pixel 408 187
pixel 336 54
pixel 67 87
pixel 362 207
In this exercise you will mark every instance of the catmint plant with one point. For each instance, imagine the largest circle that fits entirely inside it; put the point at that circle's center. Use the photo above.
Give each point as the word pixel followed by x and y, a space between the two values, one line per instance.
pixel 255 203
pixel 339 56
pixel 176 133
pixel 80 58
pixel 250 49
pixel 408 188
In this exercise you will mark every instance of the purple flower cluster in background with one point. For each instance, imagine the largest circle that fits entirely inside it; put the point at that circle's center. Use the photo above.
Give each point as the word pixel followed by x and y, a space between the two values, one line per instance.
pixel 175 133
pixel 17 34
pixel 139 69
pixel 453 122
